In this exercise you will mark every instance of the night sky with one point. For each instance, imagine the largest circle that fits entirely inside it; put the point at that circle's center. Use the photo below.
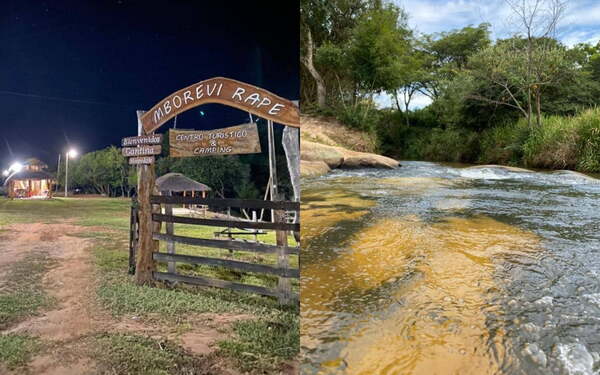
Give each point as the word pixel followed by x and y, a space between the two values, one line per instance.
pixel 73 73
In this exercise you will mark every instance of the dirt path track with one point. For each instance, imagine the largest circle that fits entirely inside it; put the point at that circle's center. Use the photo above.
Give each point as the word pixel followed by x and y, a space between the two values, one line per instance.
pixel 75 316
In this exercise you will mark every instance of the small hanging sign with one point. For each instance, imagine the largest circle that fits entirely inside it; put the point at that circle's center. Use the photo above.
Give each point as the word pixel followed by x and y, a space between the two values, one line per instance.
pixel 141 160
pixel 240 139
pixel 154 139
pixel 142 151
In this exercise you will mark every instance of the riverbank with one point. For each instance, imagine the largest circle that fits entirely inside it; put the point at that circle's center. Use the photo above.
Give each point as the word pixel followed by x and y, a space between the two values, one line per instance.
pixel 560 142
pixel 327 144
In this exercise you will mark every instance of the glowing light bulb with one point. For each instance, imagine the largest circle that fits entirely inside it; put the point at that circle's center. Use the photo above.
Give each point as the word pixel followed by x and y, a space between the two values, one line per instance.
pixel 16 167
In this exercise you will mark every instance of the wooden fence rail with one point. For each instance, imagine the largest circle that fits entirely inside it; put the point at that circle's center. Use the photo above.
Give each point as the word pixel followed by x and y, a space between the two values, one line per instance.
pixel 282 271
pixel 227 244
pixel 242 266
pixel 206 281
pixel 224 203
pixel 225 223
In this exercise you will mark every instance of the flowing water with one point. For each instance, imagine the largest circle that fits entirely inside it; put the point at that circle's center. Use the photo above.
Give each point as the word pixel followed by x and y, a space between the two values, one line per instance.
pixel 437 269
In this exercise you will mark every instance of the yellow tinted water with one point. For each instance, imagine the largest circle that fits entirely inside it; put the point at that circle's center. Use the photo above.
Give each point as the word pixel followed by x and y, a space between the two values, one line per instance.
pixel 440 278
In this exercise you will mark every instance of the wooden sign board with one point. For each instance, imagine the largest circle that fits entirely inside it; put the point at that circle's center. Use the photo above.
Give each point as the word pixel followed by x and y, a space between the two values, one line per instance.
pixel 141 160
pixel 240 139
pixel 224 91
pixel 142 151
pixel 154 139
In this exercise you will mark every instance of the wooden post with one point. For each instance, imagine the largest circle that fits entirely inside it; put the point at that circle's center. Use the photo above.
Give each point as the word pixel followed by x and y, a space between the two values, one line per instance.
pixel 170 231
pixel 284 284
pixel 133 233
pixel 145 264
pixel 254 219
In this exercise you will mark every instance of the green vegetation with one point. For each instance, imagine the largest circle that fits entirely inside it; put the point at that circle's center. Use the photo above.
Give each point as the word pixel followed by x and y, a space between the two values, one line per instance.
pixel 112 213
pixel 524 100
pixel 122 354
pixel 259 343
pixel 17 350
pixel 21 292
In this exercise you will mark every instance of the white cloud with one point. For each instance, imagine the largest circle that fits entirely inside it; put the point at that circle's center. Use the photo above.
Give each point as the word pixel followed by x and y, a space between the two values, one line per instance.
pixel 418 101
pixel 571 38
pixel 579 24
pixel 582 13
pixel 435 16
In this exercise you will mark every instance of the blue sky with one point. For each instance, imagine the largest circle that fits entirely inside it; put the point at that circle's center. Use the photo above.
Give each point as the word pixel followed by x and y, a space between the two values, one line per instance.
pixel 580 23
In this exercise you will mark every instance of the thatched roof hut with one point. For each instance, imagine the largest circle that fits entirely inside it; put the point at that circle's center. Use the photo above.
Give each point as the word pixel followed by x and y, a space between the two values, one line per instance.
pixel 178 183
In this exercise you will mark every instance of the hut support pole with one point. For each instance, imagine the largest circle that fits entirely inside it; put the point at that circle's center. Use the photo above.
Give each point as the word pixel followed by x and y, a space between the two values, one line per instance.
pixel 145 264
pixel 284 284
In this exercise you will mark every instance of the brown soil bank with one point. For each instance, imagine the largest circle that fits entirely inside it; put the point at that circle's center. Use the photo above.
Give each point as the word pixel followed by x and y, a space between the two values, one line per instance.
pixel 326 144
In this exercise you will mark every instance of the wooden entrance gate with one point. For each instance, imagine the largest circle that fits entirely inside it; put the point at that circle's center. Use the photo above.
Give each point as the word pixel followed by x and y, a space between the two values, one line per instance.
pixel 146 225
pixel 281 267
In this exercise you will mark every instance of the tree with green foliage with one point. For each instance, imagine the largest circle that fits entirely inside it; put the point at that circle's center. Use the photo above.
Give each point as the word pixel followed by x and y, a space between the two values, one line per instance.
pixel 326 28
pixel 330 23
pixel 104 172
pixel 447 53
pixel 521 84
pixel 535 23
pixel 379 50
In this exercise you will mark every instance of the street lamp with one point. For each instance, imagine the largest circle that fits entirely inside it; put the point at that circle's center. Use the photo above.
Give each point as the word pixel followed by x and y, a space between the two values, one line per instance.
pixel 5 173
pixel 72 153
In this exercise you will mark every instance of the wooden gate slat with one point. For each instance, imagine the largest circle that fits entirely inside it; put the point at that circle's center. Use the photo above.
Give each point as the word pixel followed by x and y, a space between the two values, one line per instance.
pixel 227 202
pixel 205 281
pixel 225 244
pixel 225 223
pixel 242 266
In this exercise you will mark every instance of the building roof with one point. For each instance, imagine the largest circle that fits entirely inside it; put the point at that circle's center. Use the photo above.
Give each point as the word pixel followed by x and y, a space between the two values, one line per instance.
pixel 176 182
pixel 29 175
pixel 36 162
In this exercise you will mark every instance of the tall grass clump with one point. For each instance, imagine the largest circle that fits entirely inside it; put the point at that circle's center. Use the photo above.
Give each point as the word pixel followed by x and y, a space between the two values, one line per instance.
pixel 565 142
pixel 503 144
pixel 361 116
pixel 553 145
pixel 589 141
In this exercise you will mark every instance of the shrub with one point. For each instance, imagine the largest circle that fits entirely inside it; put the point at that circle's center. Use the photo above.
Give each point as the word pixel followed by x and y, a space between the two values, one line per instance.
pixel 504 144
pixel 553 144
pixel 361 116
pixel 589 141
pixel 451 144
pixel 400 140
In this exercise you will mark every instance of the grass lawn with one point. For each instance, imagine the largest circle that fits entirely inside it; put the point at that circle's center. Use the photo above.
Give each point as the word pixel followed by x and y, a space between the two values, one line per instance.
pixel 17 350
pixel 260 344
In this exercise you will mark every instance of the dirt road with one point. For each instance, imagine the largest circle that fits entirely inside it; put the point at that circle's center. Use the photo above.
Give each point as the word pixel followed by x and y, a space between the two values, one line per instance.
pixel 65 328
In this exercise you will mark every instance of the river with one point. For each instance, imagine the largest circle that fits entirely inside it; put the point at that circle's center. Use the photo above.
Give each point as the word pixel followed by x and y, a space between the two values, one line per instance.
pixel 445 269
